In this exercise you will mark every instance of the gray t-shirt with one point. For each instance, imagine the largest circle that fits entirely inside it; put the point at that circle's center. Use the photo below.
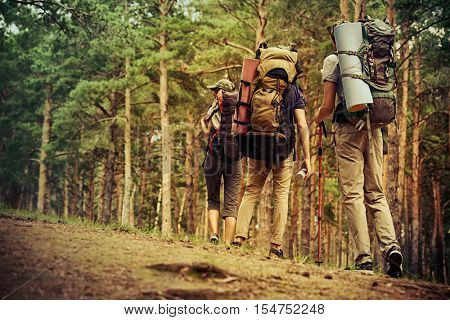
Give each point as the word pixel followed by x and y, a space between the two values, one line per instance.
pixel 331 72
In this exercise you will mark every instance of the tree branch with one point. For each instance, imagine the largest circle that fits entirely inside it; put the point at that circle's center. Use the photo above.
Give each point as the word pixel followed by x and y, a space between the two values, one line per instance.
pixel 98 105
pixel 207 71
pixel 225 42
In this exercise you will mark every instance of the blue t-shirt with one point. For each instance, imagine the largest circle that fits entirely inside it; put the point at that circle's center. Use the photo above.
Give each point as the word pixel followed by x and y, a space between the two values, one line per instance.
pixel 293 98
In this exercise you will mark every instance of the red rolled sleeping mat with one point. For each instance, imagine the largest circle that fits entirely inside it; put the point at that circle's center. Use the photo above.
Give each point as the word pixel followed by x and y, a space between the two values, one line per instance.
pixel 248 75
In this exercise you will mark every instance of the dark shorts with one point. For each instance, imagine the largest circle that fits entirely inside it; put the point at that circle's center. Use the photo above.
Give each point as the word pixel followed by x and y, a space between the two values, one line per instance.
pixel 216 167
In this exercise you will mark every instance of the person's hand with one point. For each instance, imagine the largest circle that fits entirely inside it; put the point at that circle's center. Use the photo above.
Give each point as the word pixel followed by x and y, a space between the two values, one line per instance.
pixel 309 168
pixel 204 126
pixel 316 117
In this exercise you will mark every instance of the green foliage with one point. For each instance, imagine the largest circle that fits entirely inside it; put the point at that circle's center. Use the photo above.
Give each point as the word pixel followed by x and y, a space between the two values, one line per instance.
pixel 77 55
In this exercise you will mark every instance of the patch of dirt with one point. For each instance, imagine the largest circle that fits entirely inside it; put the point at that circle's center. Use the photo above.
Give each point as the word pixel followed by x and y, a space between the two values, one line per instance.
pixel 57 261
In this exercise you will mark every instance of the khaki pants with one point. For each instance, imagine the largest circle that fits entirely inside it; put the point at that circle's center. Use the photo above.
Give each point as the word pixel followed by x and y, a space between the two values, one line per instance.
pixel 360 176
pixel 257 175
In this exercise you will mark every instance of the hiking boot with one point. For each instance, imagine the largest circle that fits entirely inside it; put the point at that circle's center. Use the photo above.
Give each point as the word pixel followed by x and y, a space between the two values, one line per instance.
pixel 237 243
pixel 277 252
pixel 395 260
pixel 214 239
pixel 366 266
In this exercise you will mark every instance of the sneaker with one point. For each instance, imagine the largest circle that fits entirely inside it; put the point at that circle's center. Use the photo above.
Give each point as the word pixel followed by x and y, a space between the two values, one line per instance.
pixel 395 260
pixel 214 239
pixel 366 266
pixel 237 243
pixel 277 252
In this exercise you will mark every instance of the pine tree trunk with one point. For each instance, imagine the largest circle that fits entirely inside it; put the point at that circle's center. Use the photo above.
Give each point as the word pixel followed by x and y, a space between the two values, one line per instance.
pixel 108 181
pixel 295 208
pixel 74 188
pixel 397 148
pixel 66 195
pixel 82 202
pixel 24 188
pixel 261 6
pixel 195 183
pixel 91 194
pixel 306 219
pixel 390 12
pixel 402 117
pixel 158 210
pixel 344 10
pixel 127 154
pixel 189 175
pixel 119 196
pixel 144 171
pixel 415 200
pixel 166 225
pixel 438 230
pixel 109 170
pixel 312 213
pixel 100 193
pixel 390 163
pixel 360 9
pixel 46 131
pixel 205 219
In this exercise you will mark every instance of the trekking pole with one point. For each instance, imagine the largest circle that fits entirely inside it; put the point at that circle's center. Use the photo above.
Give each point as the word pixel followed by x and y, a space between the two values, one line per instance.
pixel 322 131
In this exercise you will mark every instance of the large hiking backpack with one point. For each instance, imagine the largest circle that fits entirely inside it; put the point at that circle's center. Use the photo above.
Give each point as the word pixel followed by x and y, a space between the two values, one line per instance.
pixel 226 141
pixel 277 70
pixel 377 58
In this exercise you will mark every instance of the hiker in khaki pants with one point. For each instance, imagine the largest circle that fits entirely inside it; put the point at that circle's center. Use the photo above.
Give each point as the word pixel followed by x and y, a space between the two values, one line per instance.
pixel 360 164
pixel 259 168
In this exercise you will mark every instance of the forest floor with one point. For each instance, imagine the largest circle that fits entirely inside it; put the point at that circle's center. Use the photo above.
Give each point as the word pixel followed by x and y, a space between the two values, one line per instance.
pixel 47 260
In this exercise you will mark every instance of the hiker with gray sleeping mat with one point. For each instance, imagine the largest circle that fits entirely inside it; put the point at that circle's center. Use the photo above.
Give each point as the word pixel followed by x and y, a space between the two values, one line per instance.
pixel 361 74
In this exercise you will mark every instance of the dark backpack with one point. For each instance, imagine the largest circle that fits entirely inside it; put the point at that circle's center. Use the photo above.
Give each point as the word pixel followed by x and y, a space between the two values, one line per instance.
pixel 377 57
pixel 223 140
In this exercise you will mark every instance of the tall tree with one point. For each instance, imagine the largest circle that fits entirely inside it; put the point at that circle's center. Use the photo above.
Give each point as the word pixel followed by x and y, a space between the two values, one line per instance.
pixel 402 117
pixel 344 10
pixel 46 130
pixel 127 145
pixel 360 9
pixel 164 10
pixel 415 161
pixel 261 11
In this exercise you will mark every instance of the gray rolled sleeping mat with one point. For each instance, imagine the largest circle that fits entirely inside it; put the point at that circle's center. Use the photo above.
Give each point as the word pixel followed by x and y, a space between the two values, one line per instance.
pixel 349 38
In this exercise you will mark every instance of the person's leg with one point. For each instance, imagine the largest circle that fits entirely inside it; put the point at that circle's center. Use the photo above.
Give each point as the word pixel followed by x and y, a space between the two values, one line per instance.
pixel 282 175
pixel 213 177
pixel 375 198
pixel 349 153
pixel 232 182
pixel 257 174
pixel 213 217
pixel 230 228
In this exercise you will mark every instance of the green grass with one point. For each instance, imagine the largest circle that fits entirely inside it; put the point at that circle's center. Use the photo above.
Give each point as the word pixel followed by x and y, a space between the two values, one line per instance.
pixel 74 221
pixel 25 215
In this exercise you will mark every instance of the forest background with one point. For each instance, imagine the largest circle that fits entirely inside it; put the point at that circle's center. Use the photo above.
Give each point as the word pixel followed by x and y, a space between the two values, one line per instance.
pixel 100 102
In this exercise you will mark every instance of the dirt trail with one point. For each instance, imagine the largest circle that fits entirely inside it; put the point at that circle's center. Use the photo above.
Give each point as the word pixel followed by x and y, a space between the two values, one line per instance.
pixel 88 263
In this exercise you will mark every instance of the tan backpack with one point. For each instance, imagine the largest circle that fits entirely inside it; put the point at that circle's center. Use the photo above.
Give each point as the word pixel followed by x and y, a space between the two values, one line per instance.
pixel 278 68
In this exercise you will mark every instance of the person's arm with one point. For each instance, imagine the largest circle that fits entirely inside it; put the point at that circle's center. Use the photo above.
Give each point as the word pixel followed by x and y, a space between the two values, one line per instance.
pixel 303 134
pixel 206 128
pixel 327 107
